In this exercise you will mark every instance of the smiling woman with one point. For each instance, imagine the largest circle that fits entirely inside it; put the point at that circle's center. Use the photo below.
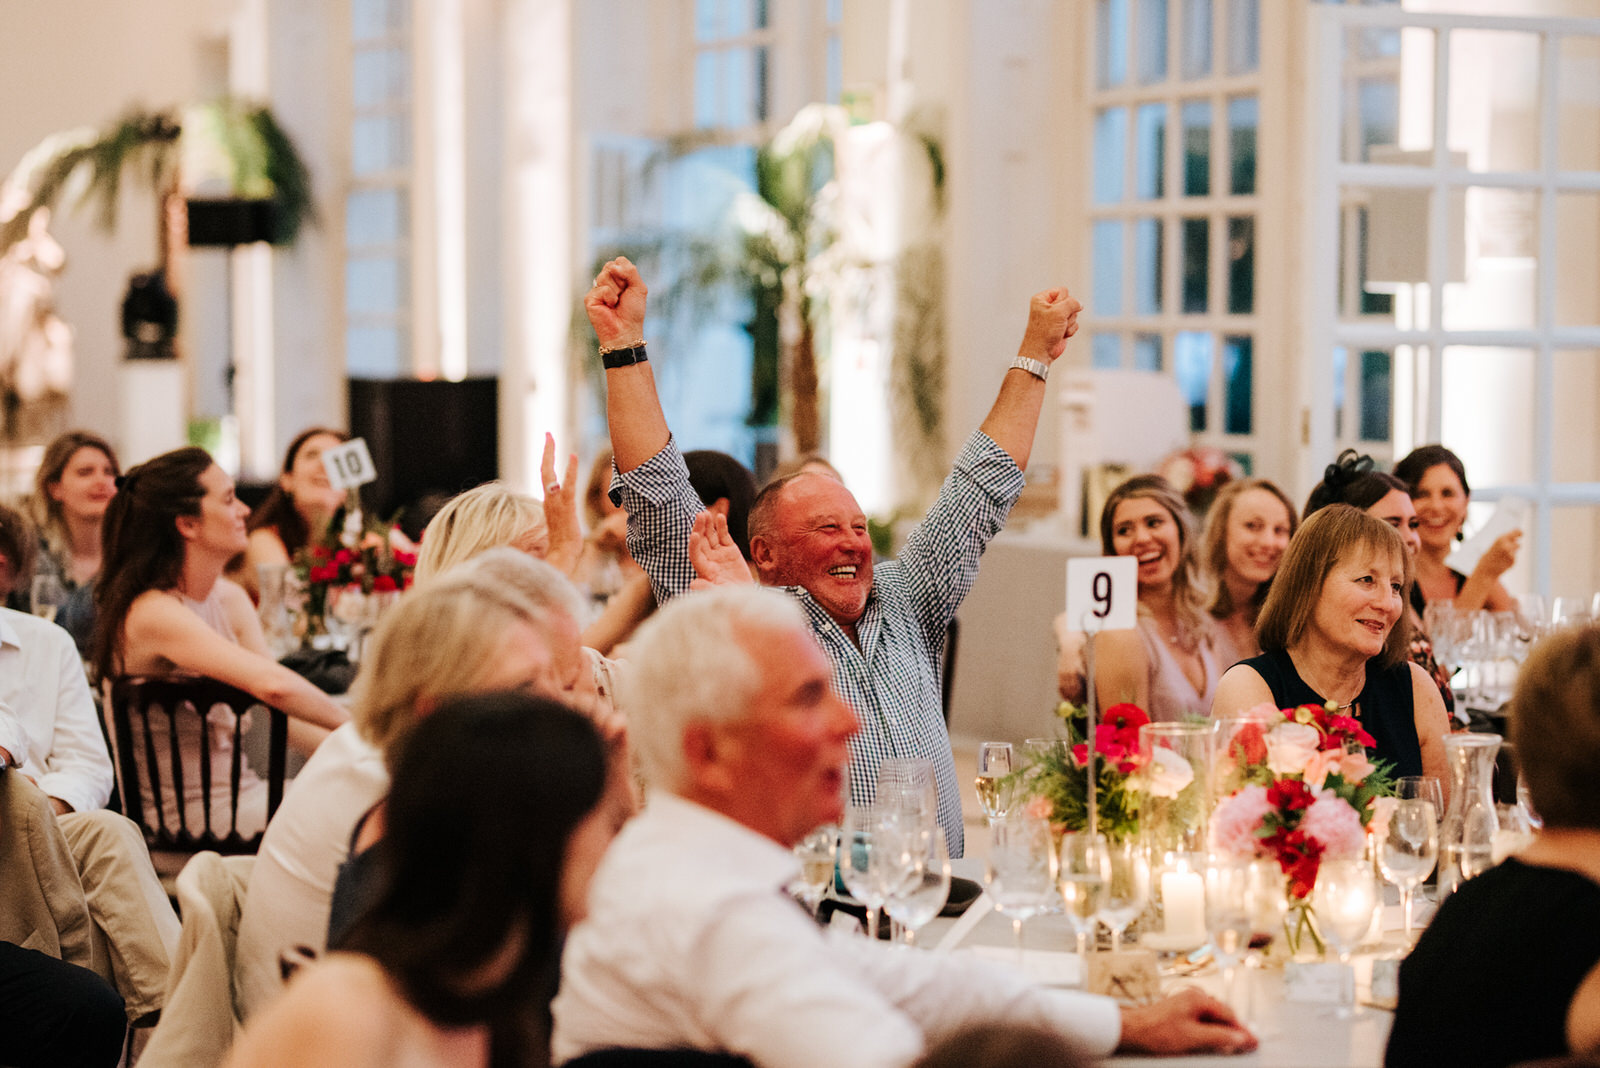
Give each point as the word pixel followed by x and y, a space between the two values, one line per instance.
pixel 1334 630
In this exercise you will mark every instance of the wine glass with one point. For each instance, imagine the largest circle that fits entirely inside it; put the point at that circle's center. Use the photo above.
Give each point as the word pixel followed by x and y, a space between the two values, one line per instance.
pixel 1020 871
pixel 1269 900
pixel 1127 889
pixel 1230 918
pixel 1085 875
pixel 1409 850
pixel 1421 788
pixel 994 764
pixel 48 596
pixel 864 849
pixel 920 897
pixel 817 853
pixel 908 793
pixel 1345 898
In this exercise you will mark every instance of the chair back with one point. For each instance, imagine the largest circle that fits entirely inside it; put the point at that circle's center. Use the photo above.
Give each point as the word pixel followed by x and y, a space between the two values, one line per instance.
pixel 153 720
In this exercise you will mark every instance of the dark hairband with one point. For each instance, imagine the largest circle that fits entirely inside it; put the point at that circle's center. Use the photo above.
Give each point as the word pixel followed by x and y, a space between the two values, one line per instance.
pixel 1346 469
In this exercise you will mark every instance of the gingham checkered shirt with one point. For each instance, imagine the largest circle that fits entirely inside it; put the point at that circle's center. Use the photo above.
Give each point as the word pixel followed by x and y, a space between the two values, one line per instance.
pixel 892 679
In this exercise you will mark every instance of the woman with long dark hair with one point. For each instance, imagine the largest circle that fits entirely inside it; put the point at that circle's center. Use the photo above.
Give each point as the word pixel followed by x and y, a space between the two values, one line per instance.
pixel 1438 482
pixel 457 960
pixel 296 511
pixel 164 608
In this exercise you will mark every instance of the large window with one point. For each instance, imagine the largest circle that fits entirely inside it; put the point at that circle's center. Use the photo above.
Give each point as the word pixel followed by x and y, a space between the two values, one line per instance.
pixel 733 53
pixel 1174 204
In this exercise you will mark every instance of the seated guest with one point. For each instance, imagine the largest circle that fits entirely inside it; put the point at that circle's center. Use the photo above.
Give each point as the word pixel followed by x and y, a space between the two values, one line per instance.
pixel 1247 528
pixel 727 488
pixel 72 489
pixel 77 879
pixel 1334 631
pixel 19 547
pixel 462 633
pixel 164 608
pixel 56 1013
pixel 496 822
pixel 296 512
pixel 691 941
pixel 1168 665
pixel 1521 941
pixel 1438 483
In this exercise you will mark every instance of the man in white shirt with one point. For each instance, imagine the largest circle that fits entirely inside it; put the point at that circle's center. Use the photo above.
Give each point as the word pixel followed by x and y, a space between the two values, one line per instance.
pixel 78 880
pixel 690 940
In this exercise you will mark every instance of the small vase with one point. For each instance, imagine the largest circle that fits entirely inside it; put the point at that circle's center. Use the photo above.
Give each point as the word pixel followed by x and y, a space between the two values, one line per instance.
pixel 1300 934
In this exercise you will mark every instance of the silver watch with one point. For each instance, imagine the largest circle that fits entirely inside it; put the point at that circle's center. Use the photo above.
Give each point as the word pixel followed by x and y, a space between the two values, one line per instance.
pixel 1037 368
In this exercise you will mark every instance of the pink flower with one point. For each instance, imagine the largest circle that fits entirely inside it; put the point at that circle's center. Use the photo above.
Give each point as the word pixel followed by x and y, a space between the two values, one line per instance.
pixel 1037 808
pixel 1236 820
pixel 1331 821
pixel 1355 767
pixel 1290 747
pixel 1321 763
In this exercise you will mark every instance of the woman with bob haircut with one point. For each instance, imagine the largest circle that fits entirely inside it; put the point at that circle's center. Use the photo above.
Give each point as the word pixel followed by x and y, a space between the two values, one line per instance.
pixel 1168 666
pixel 1334 631
pixel 71 491
pixel 164 608
pixel 296 511
pixel 1522 936
pixel 457 960
pixel 1438 482
pixel 1246 531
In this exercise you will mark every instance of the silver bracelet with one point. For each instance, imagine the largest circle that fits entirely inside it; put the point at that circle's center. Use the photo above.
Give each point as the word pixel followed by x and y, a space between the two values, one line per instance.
pixel 1037 368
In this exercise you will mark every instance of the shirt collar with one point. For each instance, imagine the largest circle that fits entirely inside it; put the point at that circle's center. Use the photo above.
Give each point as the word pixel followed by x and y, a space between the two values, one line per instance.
pixel 759 858
pixel 8 633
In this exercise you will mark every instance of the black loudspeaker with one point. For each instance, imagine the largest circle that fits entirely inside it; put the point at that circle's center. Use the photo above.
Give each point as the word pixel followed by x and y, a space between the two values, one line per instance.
pixel 228 222
pixel 429 440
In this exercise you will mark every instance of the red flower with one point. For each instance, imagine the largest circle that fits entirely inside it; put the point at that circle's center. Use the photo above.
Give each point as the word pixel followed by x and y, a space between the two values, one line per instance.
pixel 1126 715
pixel 383 584
pixel 344 556
pixel 1299 856
pixel 405 559
pixel 320 552
pixel 1248 745
pixel 1350 727
pixel 1290 795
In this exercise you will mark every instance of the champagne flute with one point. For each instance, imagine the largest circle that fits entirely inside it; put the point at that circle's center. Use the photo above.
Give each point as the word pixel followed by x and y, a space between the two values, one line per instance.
pixel 1230 919
pixel 1127 889
pixel 919 898
pixel 817 853
pixel 1085 875
pixel 1345 898
pixel 1020 872
pixel 994 764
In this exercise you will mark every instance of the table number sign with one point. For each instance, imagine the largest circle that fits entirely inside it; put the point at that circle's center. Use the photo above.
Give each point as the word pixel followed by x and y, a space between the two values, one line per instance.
pixel 349 465
pixel 1103 593
pixel 1319 983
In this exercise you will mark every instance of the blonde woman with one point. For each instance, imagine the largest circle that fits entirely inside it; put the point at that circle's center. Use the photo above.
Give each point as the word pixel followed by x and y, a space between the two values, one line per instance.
pixel 1247 530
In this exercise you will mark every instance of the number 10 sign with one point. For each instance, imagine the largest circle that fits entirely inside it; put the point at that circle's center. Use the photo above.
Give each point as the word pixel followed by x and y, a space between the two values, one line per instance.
pixel 349 465
pixel 1102 593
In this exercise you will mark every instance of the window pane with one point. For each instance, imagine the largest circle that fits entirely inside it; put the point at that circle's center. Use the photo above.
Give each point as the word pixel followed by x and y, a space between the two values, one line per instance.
pixel 1242 265
pixel 738 104
pixel 835 68
pixel 381 77
pixel 1494 99
pixel 763 59
pixel 1577 269
pixel 1237 384
pixel 707 66
pixel 1147 260
pixel 1107 268
pixel 1196 38
pixel 1578 105
pixel 735 17
pixel 1497 231
pixel 375 217
pixel 1150 151
pixel 707 19
pixel 1196 264
pixel 1111 43
pixel 1576 456
pixel 374 286
pixel 373 352
pixel 1243 117
pixel 835 12
pixel 1147 352
pixel 1106 351
pixel 759 16
pixel 379 143
pixel 1574 550
pixel 1110 154
pixel 1152 43
pixel 1244 36
pixel 1377 394
pixel 1341 362
pixel 1376 64
pixel 1196 148
pixel 372 19
pixel 1191 361
pixel 1487 411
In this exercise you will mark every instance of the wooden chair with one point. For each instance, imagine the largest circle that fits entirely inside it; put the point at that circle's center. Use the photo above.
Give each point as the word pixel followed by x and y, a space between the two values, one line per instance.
pixel 145 709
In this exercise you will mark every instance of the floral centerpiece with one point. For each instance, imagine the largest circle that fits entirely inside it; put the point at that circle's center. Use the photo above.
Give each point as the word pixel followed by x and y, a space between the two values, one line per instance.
pixel 1056 781
pixel 352 555
pixel 1308 794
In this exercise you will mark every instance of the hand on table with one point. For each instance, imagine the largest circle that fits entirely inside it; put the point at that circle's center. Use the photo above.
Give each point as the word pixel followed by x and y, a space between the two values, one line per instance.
pixel 1187 1022
pixel 717 560
pixel 616 304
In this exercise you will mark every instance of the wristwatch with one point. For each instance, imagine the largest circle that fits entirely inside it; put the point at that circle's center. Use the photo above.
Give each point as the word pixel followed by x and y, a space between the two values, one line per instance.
pixel 623 357
pixel 1037 368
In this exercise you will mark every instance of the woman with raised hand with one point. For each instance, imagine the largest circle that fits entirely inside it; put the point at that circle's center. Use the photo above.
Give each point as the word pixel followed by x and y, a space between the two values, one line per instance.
pixel 164 608
pixel 1438 483
pixel 72 490
pixel 458 958
pixel 1246 531
pixel 298 509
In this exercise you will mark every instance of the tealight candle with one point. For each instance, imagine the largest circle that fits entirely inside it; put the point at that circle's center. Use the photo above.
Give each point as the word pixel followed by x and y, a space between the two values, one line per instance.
pixel 1183 902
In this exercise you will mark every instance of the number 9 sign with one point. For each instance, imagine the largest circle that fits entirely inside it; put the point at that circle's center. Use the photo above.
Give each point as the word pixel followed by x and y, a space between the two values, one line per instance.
pixel 1102 593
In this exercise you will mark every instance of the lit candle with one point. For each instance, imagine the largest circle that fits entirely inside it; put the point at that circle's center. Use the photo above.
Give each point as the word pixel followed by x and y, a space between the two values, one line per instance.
pixel 1183 900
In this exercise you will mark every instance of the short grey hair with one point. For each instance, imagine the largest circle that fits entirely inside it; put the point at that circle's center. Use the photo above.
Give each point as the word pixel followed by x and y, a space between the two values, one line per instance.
pixel 696 660
pixel 539 582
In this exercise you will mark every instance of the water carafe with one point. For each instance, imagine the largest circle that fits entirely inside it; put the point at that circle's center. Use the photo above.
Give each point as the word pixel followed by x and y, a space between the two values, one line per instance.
pixel 1466 836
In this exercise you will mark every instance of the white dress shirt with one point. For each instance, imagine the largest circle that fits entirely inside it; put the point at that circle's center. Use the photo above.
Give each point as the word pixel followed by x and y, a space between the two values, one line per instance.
pixel 48 721
pixel 691 943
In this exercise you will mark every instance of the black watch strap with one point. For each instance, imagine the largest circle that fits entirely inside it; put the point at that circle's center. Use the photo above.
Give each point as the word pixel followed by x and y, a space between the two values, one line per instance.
pixel 624 357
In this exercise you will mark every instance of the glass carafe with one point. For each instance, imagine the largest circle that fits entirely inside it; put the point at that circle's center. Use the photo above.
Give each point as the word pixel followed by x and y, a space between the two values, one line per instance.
pixel 1466 836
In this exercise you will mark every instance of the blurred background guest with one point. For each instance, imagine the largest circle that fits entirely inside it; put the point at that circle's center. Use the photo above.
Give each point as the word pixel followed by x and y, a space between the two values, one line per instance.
pixel 74 486
pixel 1438 483
pixel 1246 531
pixel 297 510
pixel 19 547
pixel 1334 631
pixel 457 960
pixel 727 488
pixel 1521 939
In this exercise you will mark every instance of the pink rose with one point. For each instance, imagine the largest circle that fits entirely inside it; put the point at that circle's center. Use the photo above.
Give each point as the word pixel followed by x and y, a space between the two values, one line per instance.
pixel 1236 820
pixel 1321 764
pixel 1037 808
pixel 1332 822
pixel 1355 767
pixel 1167 774
pixel 1290 747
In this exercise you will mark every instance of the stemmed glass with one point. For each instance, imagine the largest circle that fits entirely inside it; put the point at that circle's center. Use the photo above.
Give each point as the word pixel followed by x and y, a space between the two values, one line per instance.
pixel 1345 899
pixel 1230 918
pixel 48 595
pixel 1421 788
pixel 994 764
pixel 1085 876
pixel 865 860
pixel 1127 890
pixel 1020 871
pixel 817 853
pixel 1409 851
pixel 921 895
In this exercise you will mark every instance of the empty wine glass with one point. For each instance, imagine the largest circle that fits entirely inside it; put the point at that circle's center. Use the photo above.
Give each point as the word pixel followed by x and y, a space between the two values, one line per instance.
pixel 48 595
pixel 994 764
pixel 919 897
pixel 1409 850
pixel 908 793
pixel 1230 919
pixel 1085 874
pixel 817 853
pixel 1127 889
pixel 864 860
pixel 1345 898
pixel 1421 788
pixel 1020 872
